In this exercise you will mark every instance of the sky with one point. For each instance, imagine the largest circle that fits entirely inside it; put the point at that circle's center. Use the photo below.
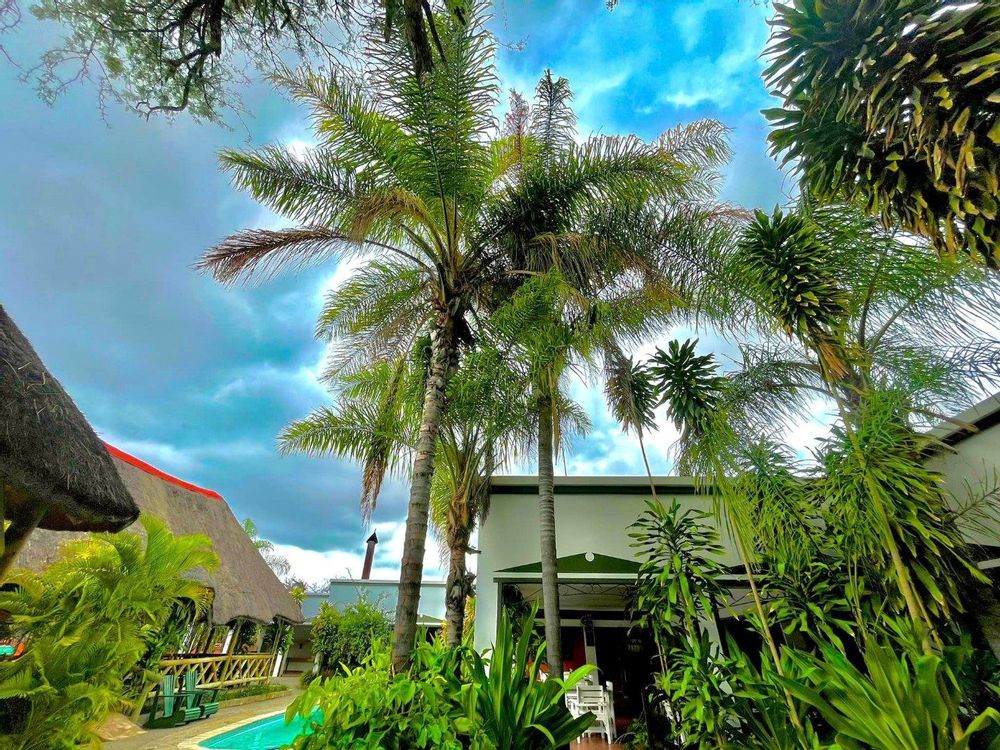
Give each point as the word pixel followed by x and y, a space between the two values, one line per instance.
pixel 103 215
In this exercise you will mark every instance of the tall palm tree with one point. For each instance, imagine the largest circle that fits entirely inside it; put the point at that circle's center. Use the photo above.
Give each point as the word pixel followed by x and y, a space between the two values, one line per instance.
pixel 580 226
pixel 401 170
pixel 488 426
pixel 376 421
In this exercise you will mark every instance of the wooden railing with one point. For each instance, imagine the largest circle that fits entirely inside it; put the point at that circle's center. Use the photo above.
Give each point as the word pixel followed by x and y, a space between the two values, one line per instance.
pixel 220 670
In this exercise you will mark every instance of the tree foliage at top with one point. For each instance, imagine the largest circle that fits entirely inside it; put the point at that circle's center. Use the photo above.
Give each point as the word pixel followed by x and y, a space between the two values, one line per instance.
pixel 896 102
pixel 277 562
pixel 191 55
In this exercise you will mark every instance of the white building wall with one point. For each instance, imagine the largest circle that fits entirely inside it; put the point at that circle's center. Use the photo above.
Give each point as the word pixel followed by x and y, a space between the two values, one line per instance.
pixel 598 522
pixel 595 523
pixel 972 466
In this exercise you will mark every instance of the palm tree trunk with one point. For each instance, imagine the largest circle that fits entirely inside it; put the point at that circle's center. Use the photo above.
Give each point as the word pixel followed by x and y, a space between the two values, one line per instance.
pixel 457 590
pixel 443 359
pixel 547 534
pixel 649 472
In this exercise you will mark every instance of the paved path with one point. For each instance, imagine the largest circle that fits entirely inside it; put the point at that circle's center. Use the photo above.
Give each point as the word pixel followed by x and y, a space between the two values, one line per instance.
pixel 171 739
pixel 180 737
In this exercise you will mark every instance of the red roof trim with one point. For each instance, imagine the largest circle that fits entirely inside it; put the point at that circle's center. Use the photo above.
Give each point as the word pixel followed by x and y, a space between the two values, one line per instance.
pixel 150 469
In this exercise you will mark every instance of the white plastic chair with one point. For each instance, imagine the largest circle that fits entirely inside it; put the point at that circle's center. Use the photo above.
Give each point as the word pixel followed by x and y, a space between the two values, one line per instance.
pixel 596 700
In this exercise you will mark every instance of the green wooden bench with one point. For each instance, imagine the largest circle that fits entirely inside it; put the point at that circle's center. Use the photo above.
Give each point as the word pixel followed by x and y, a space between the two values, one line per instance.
pixel 207 698
pixel 172 707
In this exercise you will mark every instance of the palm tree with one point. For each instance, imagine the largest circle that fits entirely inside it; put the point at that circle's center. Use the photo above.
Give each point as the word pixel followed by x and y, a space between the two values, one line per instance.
pixel 277 563
pixel 402 169
pixel 633 399
pixel 488 426
pixel 894 102
pixel 91 619
pixel 376 421
pixel 581 227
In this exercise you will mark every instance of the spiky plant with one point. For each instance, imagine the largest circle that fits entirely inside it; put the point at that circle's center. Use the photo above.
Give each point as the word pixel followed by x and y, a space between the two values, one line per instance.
pixel 689 385
pixel 896 103
pixel 796 280
pixel 913 344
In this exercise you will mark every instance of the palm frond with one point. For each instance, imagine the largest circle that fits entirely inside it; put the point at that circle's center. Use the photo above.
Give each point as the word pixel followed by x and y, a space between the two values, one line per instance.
pixel 553 121
pixel 258 254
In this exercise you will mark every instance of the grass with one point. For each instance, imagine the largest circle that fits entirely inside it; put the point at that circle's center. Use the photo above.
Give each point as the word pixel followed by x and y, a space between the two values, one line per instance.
pixel 250 691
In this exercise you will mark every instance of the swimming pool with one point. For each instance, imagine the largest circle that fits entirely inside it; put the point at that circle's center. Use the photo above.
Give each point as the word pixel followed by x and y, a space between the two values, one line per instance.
pixel 268 733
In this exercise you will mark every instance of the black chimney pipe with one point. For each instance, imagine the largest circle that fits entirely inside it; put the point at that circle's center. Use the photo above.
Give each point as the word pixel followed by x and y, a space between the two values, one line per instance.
pixel 366 571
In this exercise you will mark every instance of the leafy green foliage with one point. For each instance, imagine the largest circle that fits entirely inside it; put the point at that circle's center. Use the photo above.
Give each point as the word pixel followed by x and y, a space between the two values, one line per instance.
pixel 88 620
pixel 346 638
pixel 450 698
pixel 365 707
pixel 793 271
pixel 879 465
pixel 909 702
pixel 681 565
pixel 895 102
pixel 679 587
pixel 511 706
pixel 689 384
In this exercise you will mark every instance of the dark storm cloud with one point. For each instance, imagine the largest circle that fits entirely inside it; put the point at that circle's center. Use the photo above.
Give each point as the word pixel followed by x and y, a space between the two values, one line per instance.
pixel 99 226
pixel 100 223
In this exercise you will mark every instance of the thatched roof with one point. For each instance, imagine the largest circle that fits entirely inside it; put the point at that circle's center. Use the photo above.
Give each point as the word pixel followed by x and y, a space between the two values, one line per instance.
pixel 48 452
pixel 244 585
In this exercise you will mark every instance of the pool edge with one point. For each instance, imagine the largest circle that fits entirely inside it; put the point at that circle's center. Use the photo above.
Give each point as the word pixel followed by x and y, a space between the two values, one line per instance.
pixel 195 742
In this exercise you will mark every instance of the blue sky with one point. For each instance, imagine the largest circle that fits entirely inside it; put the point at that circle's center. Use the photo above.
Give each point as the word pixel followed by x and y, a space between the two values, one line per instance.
pixel 101 219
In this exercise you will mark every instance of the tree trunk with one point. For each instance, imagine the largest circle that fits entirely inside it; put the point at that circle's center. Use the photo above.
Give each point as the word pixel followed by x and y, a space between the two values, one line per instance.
pixel 649 472
pixel 547 535
pixel 458 589
pixel 443 359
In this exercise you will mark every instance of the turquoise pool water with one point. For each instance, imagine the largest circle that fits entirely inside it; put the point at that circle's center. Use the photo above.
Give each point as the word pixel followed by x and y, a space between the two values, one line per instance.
pixel 266 734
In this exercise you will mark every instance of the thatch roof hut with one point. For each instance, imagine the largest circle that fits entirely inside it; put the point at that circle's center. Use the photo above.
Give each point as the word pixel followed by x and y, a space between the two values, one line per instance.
pixel 54 471
pixel 244 586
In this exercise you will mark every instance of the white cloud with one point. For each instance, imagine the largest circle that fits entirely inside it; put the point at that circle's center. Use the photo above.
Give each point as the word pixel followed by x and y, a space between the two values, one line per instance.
pixel 721 79
pixel 315 567
pixel 264 378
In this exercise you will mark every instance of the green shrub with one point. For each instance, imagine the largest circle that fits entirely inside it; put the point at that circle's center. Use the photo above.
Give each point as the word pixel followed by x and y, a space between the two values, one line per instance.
pixel 88 621
pixel 903 702
pixel 250 690
pixel 366 707
pixel 346 638
pixel 451 698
